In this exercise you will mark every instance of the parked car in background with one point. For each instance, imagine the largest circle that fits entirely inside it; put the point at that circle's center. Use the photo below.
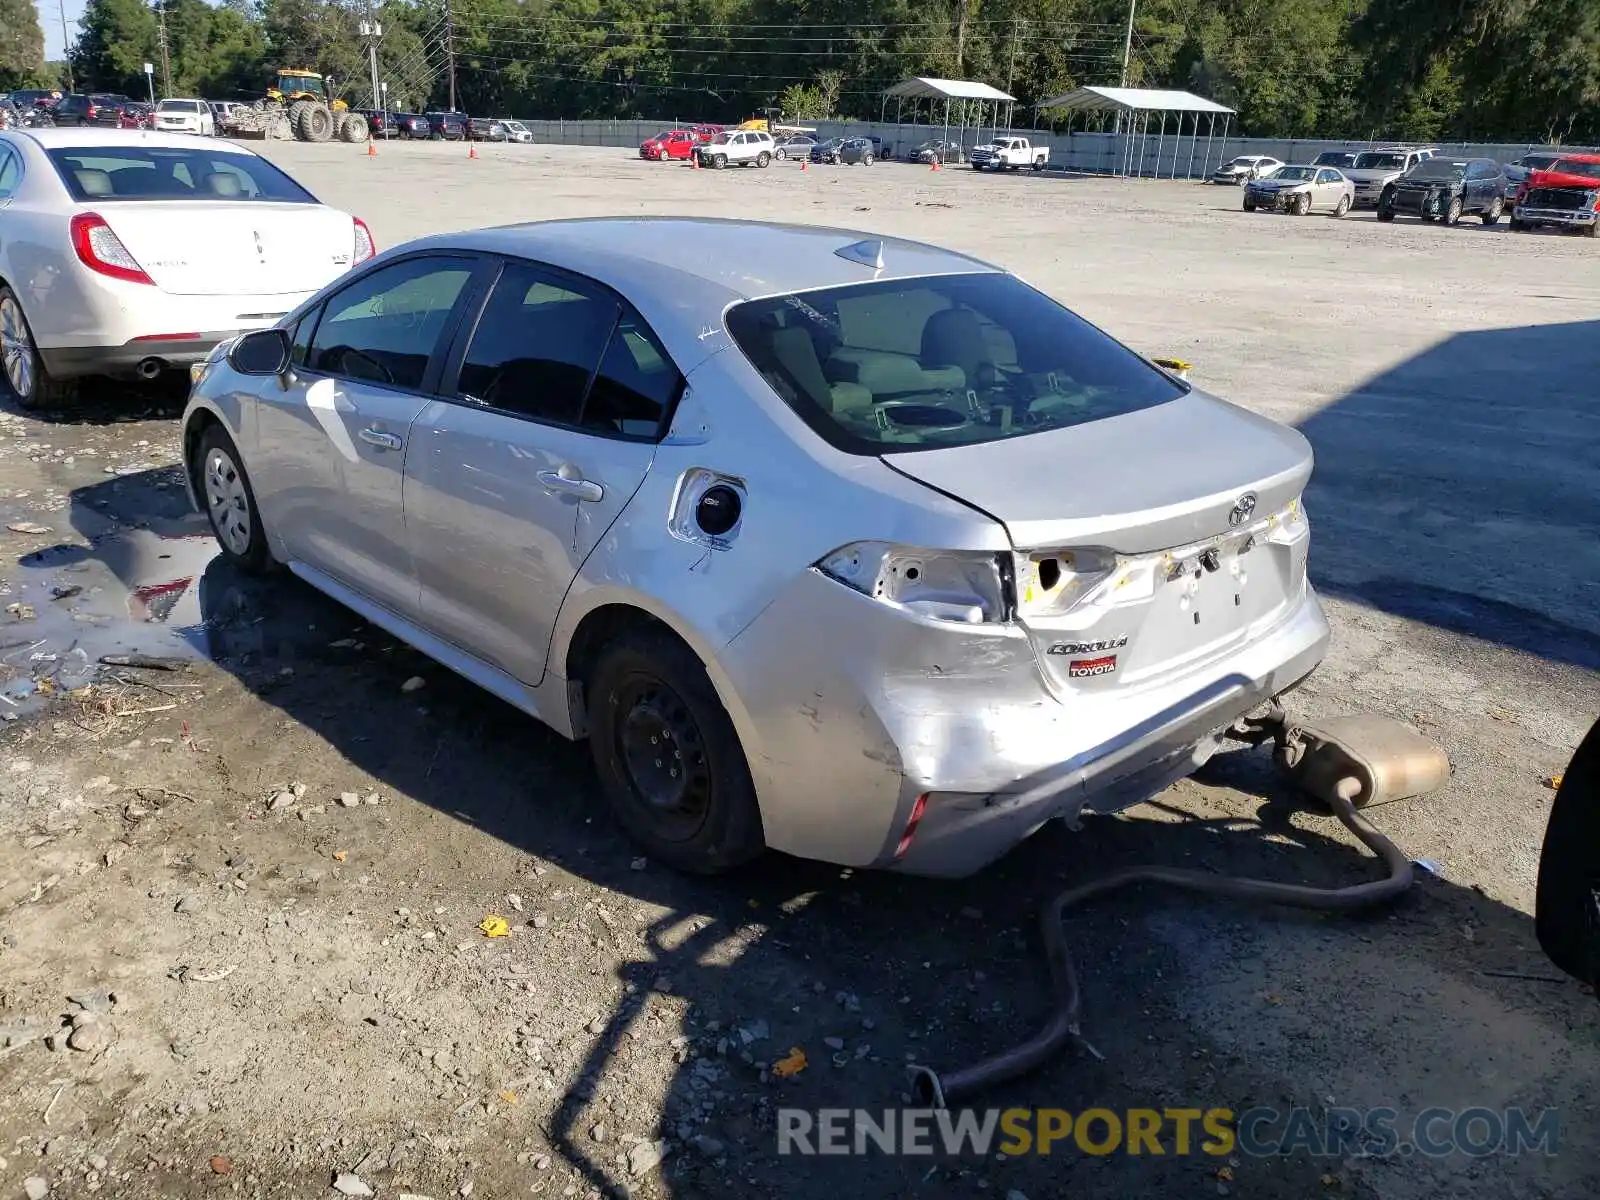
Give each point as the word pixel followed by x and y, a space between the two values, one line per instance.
pixel 826 151
pixel 101 267
pixel 516 131
pixel 1567 196
pixel 1009 154
pixel 1446 189
pixel 485 129
pixel 704 133
pixel 1337 159
pixel 136 115
pixel 413 126
pixel 447 126
pixel 226 112
pixel 669 144
pixel 1518 169
pixel 1244 168
pixel 1301 190
pixel 382 124
pixel 738 148
pixel 185 116
pixel 93 108
pixel 538 379
pixel 35 97
pixel 798 146
pixel 1375 170
pixel 938 152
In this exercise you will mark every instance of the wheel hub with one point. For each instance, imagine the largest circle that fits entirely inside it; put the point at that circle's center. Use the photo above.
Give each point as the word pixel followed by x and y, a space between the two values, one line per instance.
pixel 661 748
pixel 16 348
pixel 227 503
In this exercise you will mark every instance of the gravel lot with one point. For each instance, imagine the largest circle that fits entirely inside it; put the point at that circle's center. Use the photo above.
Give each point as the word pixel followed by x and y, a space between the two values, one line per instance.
pixel 286 983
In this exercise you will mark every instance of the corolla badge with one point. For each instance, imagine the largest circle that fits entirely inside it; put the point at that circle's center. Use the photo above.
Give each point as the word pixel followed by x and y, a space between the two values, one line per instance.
pixel 1243 509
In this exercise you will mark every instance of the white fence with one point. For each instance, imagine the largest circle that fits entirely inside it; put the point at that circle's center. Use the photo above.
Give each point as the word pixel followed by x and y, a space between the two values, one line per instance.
pixel 1149 154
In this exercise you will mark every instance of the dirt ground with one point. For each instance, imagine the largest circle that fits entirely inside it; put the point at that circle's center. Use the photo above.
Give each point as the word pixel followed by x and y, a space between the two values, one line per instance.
pixel 256 882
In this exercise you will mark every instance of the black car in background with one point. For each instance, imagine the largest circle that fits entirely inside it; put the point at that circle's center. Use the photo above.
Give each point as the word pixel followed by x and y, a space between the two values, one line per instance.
pixel 447 126
pixel 797 146
pixel 845 150
pixel 1447 189
pixel 939 152
pixel 1335 158
pixel 26 98
pixel 483 129
pixel 92 108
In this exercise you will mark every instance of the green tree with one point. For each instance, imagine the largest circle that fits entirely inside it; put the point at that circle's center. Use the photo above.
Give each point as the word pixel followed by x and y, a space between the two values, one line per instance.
pixel 116 38
pixel 21 44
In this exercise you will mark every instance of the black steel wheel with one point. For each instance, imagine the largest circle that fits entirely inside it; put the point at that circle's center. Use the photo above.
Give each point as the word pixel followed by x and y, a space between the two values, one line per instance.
pixel 668 758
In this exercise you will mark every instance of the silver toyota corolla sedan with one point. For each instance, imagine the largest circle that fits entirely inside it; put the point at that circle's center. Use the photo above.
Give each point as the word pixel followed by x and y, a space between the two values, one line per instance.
pixel 850 547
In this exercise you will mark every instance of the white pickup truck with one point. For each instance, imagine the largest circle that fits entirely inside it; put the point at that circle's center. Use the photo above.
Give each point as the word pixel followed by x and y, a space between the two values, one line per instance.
pixel 1009 153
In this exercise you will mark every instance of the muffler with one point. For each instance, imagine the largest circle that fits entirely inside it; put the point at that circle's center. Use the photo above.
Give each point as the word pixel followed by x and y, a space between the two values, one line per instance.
pixel 1347 763
pixel 149 368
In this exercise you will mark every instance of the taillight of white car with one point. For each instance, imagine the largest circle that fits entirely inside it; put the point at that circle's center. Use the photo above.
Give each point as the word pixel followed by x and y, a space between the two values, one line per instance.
pixel 99 249
pixel 365 246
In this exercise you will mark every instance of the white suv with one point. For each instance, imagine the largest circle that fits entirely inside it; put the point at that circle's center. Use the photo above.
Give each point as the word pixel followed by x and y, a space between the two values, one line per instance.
pixel 741 147
pixel 185 116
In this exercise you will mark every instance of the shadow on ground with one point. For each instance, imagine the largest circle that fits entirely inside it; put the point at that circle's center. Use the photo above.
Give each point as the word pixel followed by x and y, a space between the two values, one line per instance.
pixel 866 972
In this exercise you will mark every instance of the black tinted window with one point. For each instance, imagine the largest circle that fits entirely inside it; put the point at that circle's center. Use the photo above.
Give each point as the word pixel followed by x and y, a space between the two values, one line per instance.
pixel 537 345
pixel 911 364
pixel 384 328
pixel 636 384
pixel 136 172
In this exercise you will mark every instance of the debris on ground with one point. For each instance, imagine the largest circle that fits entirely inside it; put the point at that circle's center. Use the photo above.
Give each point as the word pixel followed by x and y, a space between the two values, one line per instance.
pixel 494 927
pixel 790 1064
pixel 347 1184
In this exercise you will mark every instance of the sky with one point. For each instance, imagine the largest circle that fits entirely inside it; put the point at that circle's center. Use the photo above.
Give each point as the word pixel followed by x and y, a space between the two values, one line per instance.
pixel 50 22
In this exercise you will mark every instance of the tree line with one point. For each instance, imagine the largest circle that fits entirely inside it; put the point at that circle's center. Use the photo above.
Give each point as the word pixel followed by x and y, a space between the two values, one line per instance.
pixel 1418 69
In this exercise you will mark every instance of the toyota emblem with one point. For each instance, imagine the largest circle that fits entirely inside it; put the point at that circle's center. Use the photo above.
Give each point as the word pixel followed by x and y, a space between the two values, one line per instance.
pixel 1243 509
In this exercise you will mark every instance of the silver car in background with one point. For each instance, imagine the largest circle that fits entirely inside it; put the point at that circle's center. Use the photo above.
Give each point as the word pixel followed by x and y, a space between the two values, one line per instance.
pixel 1301 190
pixel 877 555
pixel 1245 168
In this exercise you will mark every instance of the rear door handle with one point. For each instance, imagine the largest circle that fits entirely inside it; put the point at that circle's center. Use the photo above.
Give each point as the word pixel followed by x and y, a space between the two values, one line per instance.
pixel 382 440
pixel 583 489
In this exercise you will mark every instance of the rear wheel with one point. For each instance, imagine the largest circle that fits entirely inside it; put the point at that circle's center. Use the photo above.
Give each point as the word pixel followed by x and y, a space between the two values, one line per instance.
pixel 1452 215
pixel 668 758
pixel 1343 207
pixel 763 159
pixel 230 502
pixel 23 376
pixel 1038 164
pixel 1385 213
pixel 1492 217
pixel 353 128
pixel 1591 230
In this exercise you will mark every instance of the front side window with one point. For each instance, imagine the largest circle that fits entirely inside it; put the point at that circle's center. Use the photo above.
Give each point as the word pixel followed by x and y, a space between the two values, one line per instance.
pixel 136 172
pixel 384 328
pixel 913 364
pixel 536 346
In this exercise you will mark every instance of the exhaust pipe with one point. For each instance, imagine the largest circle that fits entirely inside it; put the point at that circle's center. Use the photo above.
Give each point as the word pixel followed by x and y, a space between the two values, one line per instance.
pixel 149 368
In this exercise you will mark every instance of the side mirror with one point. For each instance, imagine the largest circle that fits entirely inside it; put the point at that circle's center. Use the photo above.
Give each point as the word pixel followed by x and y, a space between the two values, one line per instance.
pixel 264 352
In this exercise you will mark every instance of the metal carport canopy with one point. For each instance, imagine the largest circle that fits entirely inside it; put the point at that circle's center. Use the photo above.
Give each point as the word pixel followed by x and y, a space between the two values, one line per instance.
pixel 945 89
pixel 1133 107
pixel 1119 99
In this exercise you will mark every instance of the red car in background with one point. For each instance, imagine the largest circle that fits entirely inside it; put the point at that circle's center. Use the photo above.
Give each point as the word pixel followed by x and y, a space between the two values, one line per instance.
pixel 136 116
pixel 1567 196
pixel 704 133
pixel 674 143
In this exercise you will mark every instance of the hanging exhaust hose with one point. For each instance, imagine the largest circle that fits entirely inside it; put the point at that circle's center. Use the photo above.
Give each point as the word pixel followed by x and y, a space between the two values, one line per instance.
pixel 938 1091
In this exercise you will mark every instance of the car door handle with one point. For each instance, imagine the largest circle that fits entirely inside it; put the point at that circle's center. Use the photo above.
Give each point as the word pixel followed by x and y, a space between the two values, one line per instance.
pixel 583 489
pixel 382 440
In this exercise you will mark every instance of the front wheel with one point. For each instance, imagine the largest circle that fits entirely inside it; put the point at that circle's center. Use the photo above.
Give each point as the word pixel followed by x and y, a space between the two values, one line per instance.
pixel 866 160
pixel 1342 208
pixel 780 154
pixel 1452 215
pixel 719 161
pixel 1385 214
pixel 667 756
pixel 1492 217
pixel 1302 204
pixel 1519 226
pixel 230 502
pixel 1249 204
pixel 23 376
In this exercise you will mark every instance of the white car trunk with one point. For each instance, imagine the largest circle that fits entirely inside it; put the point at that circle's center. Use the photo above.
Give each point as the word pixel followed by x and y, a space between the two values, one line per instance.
pixel 234 248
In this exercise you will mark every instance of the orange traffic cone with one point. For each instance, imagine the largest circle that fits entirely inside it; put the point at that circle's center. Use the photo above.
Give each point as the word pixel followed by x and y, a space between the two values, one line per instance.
pixel 934 164
pixel 802 164
pixel 372 150
pixel 694 160
pixel 472 150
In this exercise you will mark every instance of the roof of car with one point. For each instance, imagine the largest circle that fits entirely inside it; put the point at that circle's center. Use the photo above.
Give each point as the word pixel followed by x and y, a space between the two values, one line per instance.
pixel 729 260
pixel 100 136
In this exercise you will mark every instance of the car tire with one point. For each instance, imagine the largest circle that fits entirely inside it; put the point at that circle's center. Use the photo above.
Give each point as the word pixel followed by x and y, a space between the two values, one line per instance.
pixel 24 379
pixel 1452 215
pixel 719 161
pixel 1249 204
pixel 780 154
pixel 866 160
pixel 223 487
pixel 1519 226
pixel 1038 164
pixel 1592 230
pixel 1302 204
pixel 1563 887
pixel 763 160
pixel 1342 208
pixel 1385 214
pixel 646 692
pixel 1492 217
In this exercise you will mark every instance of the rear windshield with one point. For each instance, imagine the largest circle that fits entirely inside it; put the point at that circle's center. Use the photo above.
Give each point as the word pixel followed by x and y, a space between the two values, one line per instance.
pixel 101 173
pixel 910 364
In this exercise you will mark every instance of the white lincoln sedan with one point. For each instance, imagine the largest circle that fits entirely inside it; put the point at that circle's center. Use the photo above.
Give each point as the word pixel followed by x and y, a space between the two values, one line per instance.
pixel 129 253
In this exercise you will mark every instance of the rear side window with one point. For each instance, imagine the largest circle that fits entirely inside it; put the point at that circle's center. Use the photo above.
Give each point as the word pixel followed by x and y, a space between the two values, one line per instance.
pixel 909 364
pixel 132 172
pixel 383 328
pixel 536 346
pixel 10 171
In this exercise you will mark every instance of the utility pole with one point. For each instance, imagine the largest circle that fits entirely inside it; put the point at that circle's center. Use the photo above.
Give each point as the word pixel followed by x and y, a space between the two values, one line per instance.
pixel 372 31
pixel 66 46
pixel 1127 42
pixel 161 36
pixel 961 35
pixel 450 50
